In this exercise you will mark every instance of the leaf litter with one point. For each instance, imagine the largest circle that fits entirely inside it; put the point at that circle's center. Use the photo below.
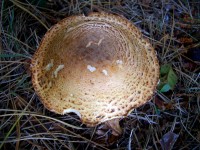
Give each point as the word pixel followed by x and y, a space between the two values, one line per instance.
pixel 173 29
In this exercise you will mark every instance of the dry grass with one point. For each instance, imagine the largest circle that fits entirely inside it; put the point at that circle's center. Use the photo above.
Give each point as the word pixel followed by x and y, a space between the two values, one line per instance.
pixel 26 124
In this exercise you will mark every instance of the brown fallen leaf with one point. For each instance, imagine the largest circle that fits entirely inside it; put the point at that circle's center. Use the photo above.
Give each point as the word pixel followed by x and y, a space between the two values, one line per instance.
pixel 108 132
pixel 163 105
pixel 114 126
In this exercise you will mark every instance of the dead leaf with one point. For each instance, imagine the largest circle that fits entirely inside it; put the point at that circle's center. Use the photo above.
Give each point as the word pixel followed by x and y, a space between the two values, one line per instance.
pixel 186 40
pixel 108 132
pixel 168 140
pixel 163 105
pixel 114 126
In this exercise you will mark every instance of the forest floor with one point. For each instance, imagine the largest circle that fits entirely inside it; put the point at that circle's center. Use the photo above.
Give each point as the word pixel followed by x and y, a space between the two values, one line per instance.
pixel 170 120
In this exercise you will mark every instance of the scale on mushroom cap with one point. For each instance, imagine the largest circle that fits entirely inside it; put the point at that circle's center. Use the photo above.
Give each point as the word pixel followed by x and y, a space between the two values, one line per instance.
pixel 97 66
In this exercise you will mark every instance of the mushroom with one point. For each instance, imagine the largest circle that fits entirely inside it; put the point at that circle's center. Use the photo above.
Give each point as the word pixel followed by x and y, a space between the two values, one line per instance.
pixel 97 66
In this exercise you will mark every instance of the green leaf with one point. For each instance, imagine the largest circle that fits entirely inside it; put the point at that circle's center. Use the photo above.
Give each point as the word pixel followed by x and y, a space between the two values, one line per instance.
pixel 165 88
pixel 165 69
pixel 172 78
pixel 163 78
pixel 160 85
pixel 168 78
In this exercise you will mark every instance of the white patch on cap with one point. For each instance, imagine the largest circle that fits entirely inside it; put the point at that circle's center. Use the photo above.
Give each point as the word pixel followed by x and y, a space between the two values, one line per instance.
pixel 52 110
pixel 120 62
pixel 105 72
pixel 158 82
pixel 100 41
pixel 60 67
pixel 89 43
pixel 72 95
pixel 72 111
pixel 49 66
pixel 90 68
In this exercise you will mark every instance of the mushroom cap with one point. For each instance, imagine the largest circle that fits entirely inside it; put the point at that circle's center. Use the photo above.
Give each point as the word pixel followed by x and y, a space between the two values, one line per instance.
pixel 97 66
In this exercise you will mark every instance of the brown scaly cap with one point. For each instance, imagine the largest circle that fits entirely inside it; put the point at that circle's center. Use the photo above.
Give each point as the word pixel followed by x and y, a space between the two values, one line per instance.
pixel 97 66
